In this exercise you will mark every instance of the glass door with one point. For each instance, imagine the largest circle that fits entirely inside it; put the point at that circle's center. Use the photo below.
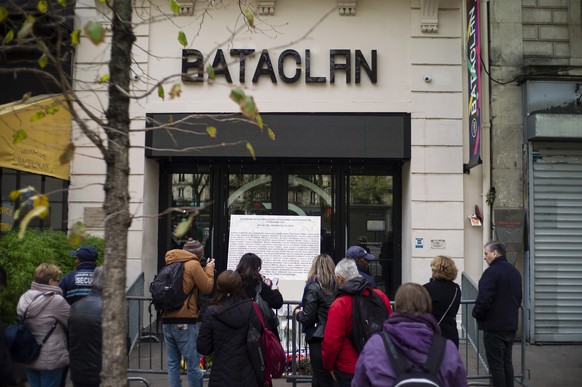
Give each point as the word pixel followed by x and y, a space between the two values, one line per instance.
pixel 370 223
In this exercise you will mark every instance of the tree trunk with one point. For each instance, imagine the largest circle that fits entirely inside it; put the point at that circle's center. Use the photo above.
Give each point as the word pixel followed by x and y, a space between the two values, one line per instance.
pixel 116 205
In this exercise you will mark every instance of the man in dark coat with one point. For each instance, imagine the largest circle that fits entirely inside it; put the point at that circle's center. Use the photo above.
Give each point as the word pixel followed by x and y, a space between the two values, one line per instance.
pixel 496 310
pixel 85 336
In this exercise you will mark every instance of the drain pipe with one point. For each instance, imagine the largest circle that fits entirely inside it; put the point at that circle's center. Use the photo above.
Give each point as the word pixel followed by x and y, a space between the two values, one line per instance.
pixel 486 122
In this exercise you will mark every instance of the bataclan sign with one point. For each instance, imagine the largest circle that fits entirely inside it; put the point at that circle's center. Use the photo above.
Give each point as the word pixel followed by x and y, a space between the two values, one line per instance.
pixel 193 65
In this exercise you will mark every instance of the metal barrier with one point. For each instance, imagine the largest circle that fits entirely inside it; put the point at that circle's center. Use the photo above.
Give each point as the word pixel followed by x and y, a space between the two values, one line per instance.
pixel 147 354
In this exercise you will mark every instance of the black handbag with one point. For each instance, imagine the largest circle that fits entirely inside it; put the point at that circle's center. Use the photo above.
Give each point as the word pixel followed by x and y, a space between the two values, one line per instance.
pixel 22 344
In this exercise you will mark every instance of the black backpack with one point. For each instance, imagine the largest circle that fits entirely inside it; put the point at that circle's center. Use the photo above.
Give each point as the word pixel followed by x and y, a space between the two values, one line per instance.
pixel 167 288
pixel 368 316
pixel 411 376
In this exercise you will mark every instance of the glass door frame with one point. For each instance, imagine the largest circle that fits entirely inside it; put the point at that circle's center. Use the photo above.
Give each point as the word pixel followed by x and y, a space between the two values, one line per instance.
pixel 340 171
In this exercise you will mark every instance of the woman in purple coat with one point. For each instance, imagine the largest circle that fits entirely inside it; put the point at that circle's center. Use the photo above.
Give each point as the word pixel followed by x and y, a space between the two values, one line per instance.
pixel 411 328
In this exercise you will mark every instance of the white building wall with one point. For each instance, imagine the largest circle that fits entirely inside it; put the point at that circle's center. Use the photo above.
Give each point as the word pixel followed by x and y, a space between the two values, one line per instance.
pixel 433 196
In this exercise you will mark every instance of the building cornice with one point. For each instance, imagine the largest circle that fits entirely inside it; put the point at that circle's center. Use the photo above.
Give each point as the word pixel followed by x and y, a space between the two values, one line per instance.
pixel 266 7
pixel 429 21
pixel 346 7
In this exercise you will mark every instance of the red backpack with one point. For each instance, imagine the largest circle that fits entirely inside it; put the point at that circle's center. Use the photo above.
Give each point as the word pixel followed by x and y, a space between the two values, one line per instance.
pixel 275 358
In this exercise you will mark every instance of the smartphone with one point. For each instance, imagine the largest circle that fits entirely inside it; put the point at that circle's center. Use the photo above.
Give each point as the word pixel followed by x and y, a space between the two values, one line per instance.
pixel 275 281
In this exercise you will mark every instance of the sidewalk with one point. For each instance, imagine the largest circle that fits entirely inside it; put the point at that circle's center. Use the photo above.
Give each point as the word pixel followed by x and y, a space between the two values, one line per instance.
pixel 545 366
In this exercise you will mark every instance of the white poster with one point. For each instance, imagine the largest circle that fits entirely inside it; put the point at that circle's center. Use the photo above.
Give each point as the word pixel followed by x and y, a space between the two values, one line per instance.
pixel 285 244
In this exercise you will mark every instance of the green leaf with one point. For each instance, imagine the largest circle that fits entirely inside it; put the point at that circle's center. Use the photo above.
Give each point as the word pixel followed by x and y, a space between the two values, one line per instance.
pixel 211 72
pixel 95 32
pixel 20 135
pixel 182 38
pixel 3 14
pixel 38 116
pixel 176 91
pixel 161 92
pixel 36 211
pixel 104 78
pixel 271 134
pixel 8 38
pixel 183 227
pixel 249 108
pixel 52 109
pixel 237 94
pixel 76 36
pixel 63 3
pixel 251 150
pixel 174 6
pixel 26 28
pixel 77 234
pixel 211 130
pixel 43 61
pixel 260 122
pixel 42 6
pixel 250 16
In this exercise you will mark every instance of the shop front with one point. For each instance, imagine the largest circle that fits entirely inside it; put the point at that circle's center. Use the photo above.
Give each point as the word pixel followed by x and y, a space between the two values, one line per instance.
pixel 344 168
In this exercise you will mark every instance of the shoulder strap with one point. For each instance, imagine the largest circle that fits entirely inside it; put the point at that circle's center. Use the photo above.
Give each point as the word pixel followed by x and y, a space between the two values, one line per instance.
pixel 31 302
pixel 451 304
pixel 435 355
pixel 50 332
pixel 399 362
pixel 258 312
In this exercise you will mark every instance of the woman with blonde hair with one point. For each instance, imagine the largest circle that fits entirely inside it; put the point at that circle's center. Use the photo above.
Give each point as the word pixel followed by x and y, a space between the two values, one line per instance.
pixel 411 329
pixel 445 295
pixel 46 314
pixel 318 295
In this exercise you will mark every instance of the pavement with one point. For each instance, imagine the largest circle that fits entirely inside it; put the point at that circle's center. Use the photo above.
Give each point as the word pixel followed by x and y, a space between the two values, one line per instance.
pixel 544 366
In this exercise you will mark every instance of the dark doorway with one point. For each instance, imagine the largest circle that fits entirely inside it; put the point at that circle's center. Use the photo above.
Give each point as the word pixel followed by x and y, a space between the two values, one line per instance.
pixel 355 202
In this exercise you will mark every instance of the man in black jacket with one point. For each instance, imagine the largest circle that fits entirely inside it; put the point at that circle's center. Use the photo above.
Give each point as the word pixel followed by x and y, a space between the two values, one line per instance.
pixel 496 310
pixel 85 336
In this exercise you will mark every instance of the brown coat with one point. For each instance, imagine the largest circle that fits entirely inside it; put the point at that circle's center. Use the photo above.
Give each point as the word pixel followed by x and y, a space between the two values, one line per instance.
pixel 195 277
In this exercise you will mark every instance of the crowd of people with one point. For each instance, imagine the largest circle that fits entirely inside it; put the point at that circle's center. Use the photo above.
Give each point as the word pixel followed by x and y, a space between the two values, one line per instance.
pixel 68 310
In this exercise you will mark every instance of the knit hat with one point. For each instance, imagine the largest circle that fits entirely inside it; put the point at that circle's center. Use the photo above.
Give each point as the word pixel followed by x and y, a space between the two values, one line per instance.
pixel 85 253
pixel 194 247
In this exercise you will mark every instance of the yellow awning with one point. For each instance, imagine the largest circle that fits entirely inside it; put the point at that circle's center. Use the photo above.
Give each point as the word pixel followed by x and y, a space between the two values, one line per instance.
pixel 47 124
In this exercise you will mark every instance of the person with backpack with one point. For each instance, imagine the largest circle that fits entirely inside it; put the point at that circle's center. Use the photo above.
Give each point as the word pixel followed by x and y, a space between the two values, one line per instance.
pixel 46 313
pixel 224 331
pixel 256 286
pixel 180 326
pixel 357 312
pixel 410 347
pixel 318 296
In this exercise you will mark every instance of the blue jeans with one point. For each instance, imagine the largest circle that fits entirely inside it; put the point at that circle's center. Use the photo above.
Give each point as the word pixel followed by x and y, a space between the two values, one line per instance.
pixel 180 341
pixel 498 346
pixel 44 378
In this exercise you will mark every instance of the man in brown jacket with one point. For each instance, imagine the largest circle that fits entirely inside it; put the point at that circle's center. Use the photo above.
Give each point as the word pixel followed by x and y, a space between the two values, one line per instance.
pixel 181 326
